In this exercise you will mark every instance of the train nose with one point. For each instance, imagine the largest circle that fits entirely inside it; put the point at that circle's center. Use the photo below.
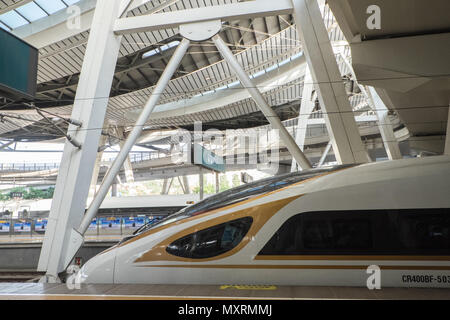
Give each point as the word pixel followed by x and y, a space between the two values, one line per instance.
pixel 99 269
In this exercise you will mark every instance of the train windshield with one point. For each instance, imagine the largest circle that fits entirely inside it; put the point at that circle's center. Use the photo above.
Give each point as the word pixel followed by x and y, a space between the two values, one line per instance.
pixel 239 194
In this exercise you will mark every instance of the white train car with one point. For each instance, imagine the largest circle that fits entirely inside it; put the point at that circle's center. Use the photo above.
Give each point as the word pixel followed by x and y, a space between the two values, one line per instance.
pixel 317 227
pixel 111 205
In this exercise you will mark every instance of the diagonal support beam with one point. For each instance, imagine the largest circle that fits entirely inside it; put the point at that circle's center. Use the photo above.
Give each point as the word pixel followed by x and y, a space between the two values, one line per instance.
pixel 306 108
pixel 127 165
pixel 268 112
pixel 325 153
pixel 447 137
pixel 384 125
pixel 378 106
pixel 134 134
pixel 339 117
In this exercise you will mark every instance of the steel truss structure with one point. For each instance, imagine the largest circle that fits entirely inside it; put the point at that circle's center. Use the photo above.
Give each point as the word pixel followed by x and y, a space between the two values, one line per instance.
pixel 68 220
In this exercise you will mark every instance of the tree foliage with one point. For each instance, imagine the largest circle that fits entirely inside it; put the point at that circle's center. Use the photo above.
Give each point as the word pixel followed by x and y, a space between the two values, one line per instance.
pixel 29 193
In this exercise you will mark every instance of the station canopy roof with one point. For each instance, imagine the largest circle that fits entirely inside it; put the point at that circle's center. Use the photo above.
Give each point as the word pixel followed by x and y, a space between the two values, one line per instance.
pixel 268 48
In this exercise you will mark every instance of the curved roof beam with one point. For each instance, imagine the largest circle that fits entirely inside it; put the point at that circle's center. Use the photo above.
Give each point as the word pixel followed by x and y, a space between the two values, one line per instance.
pixel 266 82
pixel 14 6
pixel 53 28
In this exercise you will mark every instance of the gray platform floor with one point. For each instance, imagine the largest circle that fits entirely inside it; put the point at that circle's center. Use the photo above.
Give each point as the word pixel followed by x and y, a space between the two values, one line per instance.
pixel 37 291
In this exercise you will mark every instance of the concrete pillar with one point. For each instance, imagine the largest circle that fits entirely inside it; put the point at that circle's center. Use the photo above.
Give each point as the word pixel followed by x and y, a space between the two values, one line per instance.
pixel 305 110
pixel 384 125
pixel 77 165
pixel 339 118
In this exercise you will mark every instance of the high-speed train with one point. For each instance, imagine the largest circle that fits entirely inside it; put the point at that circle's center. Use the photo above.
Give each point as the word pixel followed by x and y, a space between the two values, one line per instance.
pixel 323 227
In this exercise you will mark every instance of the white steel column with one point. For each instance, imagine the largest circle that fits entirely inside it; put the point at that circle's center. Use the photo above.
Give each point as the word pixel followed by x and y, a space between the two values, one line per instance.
pixel 127 166
pixel 164 186
pixel 134 134
pixel 384 125
pixel 325 153
pixel 186 185
pixel 268 112
pixel 97 165
pixel 201 184
pixel 306 107
pixel 91 100
pixel 447 137
pixel 339 118
pixel 217 182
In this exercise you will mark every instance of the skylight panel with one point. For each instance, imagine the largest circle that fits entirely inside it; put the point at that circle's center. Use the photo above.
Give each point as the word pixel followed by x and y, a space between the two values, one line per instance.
pixel 31 11
pixel 12 19
pixel 4 27
pixel 51 6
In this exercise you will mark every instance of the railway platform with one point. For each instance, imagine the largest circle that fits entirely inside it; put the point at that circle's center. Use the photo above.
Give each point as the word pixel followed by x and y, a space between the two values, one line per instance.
pixel 38 291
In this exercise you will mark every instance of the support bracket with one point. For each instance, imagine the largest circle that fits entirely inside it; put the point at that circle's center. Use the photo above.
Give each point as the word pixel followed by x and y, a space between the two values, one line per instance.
pixel 201 31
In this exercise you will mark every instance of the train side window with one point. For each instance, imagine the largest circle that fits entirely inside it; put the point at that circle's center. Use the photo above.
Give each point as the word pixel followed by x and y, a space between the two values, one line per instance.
pixel 396 231
pixel 317 234
pixel 286 240
pixel 425 232
pixel 352 234
pixel 211 242
pixel 321 233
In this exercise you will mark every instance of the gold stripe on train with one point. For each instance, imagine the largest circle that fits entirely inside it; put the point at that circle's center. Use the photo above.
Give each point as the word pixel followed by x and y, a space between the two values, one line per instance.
pixel 295 267
pixel 351 257
pixel 157 229
pixel 260 214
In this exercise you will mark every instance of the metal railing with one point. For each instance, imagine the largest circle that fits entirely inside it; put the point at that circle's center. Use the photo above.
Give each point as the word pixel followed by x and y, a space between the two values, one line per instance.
pixel 32 167
pixel 28 167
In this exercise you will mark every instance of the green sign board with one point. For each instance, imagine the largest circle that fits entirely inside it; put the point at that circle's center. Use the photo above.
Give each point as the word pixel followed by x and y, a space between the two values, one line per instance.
pixel 18 67
pixel 207 159
pixel 16 195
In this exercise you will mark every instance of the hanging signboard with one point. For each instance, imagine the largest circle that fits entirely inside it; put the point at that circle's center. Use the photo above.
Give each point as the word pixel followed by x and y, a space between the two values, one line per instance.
pixel 22 226
pixel 40 225
pixel 18 67
pixel 110 223
pixel 16 195
pixel 93 225
pixel 206 158
pixel 133 222
pixel 4 226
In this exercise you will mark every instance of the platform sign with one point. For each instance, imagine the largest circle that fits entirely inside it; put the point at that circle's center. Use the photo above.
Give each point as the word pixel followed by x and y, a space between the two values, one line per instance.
pixel 16 195
pixel 207 159
pixel 18 67
pixel 110 223
pixel 22 226
pixel 40 225
pixel 93 224
pixel 4 226
pixel 133 222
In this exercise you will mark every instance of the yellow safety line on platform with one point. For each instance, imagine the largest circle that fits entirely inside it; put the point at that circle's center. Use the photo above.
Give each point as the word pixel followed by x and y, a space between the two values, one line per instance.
pixel 248 287
pixel 135 297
